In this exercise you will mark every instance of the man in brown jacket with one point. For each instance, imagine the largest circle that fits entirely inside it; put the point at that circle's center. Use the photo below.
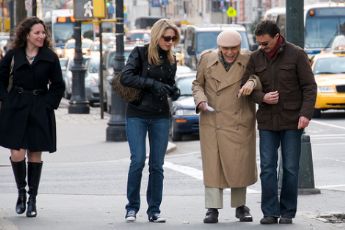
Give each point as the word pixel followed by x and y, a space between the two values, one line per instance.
pixel 227 126
pixel 286 105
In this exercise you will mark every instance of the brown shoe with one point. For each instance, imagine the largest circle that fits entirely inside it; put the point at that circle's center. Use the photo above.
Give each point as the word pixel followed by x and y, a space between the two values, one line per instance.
pixel 285 220
pixel 269 220
pixel 243 213
pixel 211 216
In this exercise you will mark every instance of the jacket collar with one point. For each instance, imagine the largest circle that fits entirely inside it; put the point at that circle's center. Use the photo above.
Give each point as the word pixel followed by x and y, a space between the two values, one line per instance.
pixel 225 79
pixel 44 54
pixel 214 58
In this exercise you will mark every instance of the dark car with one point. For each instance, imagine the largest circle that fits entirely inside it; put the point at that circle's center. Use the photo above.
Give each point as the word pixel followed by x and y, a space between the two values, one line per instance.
pixel 184 120
pixel 108 72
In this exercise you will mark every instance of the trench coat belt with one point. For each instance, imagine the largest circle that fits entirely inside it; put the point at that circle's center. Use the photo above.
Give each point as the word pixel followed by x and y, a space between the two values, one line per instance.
pixel 34 92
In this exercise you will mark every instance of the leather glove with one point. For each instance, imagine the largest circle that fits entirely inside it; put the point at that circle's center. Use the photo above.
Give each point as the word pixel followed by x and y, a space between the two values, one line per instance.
pixel 175 93
pixel 161 89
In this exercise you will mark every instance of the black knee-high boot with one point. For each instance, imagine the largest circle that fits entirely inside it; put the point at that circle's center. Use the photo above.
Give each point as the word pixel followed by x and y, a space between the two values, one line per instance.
pixel 19 171
pixel 34 175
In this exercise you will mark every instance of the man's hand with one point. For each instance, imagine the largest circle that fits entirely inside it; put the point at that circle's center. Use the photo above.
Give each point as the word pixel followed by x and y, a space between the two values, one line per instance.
pixel 303 122
pixel 246 89
pixel 271 98
pixel 202 106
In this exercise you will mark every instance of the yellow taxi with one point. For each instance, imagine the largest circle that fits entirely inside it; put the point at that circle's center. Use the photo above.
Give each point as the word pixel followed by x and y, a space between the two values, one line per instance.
pixel 329 71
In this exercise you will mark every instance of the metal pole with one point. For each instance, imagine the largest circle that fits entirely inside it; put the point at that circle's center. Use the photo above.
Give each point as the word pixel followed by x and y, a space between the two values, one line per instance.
pixel 34 8
pixel 20 11
pixel 78 103
pixel 12 18
pixel 259 10
pixel 294 22
pixel 116 130
pixel 101 79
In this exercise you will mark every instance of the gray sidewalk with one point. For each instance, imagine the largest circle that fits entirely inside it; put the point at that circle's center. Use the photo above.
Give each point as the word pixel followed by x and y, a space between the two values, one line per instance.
pixel 81 141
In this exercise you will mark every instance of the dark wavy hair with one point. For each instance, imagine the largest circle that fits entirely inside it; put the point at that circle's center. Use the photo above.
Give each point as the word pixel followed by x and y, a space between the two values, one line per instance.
pixel 267 27
pixel 24 28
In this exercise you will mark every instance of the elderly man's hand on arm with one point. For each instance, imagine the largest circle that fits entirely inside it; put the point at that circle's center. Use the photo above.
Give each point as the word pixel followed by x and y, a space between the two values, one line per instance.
pixel 247 88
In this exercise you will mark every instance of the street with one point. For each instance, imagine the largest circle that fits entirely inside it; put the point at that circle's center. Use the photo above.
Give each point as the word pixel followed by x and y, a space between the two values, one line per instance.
pixel 83 184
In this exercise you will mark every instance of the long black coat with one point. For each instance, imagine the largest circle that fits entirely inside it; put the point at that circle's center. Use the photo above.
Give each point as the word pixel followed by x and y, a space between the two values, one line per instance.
pixel 27 121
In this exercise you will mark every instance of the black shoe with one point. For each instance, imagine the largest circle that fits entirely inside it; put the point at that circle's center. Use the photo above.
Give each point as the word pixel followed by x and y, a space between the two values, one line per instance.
pixel 131 216
pixel 31 210
pixel 285 220
pixel 156 218
pixel 21 201
pixel 243 213
pixel 211 216
pixel 269 220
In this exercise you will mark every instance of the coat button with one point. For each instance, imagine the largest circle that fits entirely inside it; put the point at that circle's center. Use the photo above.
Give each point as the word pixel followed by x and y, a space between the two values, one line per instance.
pixel 218 93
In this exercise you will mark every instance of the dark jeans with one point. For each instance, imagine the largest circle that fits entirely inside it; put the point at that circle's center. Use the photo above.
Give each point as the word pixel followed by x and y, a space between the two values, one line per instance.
pixel 158 133
pixel 290 141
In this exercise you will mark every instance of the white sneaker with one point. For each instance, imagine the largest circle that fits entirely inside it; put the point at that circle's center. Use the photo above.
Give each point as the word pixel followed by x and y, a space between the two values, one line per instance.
pixel 130 216
pixel 156 218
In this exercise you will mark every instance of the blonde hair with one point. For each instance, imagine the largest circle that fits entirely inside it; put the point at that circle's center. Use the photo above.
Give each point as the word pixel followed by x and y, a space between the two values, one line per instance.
pixel 157 31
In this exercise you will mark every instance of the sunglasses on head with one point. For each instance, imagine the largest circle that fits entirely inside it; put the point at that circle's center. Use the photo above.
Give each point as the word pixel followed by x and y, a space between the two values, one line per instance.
pixel 169 38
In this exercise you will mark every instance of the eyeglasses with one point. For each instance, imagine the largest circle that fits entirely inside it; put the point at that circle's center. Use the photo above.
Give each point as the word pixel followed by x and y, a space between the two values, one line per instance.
pixel 263 43
pixel 169 38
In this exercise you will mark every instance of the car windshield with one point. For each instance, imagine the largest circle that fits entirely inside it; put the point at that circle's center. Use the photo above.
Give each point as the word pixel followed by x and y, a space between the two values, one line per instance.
pixel 208 40
pixel 85 63
pixel 111 59
pixel 331 65
pixel 93 66
pixel 63 63
pixel 185 85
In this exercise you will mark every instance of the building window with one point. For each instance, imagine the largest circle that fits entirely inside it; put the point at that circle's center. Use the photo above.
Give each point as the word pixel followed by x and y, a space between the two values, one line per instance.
pixel 219 5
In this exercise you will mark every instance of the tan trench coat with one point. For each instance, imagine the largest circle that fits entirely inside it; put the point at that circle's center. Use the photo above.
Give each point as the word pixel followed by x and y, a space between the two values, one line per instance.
pixel 227 135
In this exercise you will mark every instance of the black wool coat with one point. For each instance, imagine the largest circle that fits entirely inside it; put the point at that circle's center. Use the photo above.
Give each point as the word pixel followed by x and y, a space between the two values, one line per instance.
pixel 26 120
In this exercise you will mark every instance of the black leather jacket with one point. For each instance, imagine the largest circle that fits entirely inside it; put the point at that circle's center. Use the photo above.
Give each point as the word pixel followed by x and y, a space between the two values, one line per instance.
pixel 138 73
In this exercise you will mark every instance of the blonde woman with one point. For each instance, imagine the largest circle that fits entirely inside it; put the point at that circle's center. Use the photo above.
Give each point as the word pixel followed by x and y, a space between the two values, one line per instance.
pixel 152 69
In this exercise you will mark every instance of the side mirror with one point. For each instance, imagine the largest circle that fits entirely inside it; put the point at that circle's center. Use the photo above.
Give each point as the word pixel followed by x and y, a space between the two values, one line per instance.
pixel 190 50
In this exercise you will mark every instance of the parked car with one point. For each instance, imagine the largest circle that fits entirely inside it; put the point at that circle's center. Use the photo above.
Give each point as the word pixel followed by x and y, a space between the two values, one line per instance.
pixel 92 92
pixel 138 37
pixel 329 71
pixel 108 71
pixel 63 64
pixel 185 121
pixel 69 74
pixel 197 39
pixel 70 47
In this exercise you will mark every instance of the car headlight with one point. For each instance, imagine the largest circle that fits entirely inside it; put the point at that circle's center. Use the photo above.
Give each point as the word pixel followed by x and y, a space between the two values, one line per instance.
pixel 90 81
pixel 185 112
pixel 326 89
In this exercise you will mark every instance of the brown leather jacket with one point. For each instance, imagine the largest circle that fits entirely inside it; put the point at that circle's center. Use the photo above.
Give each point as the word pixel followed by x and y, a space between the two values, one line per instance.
pixel 290 74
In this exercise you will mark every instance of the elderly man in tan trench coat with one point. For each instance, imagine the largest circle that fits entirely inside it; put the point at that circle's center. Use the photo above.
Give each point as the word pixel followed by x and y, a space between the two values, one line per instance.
pixel 227 126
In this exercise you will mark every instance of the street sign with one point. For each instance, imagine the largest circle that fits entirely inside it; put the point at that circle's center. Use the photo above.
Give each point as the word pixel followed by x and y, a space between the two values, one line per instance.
pixel 89 9
pixel 99 8
pixel 231 12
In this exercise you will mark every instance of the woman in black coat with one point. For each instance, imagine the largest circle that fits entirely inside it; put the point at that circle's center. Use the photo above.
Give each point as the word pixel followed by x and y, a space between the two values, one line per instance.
pixel 27 121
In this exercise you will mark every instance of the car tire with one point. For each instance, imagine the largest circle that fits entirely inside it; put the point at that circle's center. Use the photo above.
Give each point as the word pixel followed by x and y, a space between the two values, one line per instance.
pixel 174 135
pixel 317 113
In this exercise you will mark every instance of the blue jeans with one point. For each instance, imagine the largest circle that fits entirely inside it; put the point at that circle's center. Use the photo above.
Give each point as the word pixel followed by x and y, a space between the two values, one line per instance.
pixel 158 133
pixel 290 141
